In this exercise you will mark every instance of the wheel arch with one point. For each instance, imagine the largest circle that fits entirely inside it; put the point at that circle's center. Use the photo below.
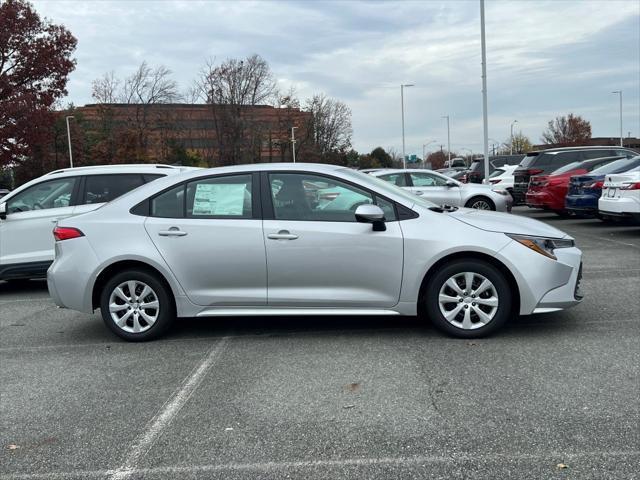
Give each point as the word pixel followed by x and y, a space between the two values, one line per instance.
pixel 470 255
pixel 120 266
pixel 480 197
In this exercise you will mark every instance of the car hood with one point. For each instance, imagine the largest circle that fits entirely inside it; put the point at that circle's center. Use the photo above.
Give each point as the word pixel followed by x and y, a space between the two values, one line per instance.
pixel 506 223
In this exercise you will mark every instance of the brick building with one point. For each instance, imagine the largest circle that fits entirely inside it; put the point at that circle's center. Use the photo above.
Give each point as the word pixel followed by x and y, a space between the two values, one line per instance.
pixel 215 134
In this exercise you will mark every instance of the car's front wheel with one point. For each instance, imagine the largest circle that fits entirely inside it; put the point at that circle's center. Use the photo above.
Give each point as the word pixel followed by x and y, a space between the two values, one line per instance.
pixel 468 298
pixel 136 305
pixel 481 203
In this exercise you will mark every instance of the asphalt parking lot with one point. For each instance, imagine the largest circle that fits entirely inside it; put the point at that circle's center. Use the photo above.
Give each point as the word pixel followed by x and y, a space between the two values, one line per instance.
pixel 550 396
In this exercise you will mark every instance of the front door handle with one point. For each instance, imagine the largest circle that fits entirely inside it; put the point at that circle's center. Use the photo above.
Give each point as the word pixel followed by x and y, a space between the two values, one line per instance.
pixel 282 235
pixel 418 192
pixel 172 232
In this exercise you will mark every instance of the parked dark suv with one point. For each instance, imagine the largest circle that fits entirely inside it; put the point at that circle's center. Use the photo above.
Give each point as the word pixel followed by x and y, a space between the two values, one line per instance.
pixel 546 161
pixel 475 173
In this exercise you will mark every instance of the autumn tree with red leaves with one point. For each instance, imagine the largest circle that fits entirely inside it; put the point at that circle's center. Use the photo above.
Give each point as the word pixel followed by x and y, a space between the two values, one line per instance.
pixel 567 131
pixel 35 62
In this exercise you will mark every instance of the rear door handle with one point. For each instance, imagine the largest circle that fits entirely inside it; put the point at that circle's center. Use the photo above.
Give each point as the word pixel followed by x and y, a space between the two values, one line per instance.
pixel 172 232
pixel 282 235
pixel 418 192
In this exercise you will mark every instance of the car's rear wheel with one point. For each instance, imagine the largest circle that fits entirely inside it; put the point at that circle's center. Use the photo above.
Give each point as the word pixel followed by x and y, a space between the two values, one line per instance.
pixel 468 298
pixel 136 305
pixel 481 203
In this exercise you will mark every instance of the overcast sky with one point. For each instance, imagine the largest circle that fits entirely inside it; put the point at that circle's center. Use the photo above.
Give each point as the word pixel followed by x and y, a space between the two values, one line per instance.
pixel 544 58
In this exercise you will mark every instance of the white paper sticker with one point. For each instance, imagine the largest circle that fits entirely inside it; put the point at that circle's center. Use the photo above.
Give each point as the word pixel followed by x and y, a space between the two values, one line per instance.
pixel 219 199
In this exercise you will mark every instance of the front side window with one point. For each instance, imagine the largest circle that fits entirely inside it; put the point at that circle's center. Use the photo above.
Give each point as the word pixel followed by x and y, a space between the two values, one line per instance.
pixel 104 188
pixel 398 179
pixel 45 195
pixel 298 196
pixel 426 180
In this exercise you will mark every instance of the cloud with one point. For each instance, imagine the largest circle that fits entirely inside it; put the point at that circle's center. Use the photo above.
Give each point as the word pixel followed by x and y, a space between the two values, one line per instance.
pixel 545 58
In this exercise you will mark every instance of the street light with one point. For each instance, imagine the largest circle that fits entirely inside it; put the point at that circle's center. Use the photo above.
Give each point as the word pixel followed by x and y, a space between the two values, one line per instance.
pixel 69 139
pixel 512 123
pixel 404 159
pixel 485 120
pixel 448 138
pixel 619 92
pixel 293 143
pixel 424 145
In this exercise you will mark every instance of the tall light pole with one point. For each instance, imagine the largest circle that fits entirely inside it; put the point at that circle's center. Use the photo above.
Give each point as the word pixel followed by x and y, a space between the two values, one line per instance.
pixel 402 87
pixel 512 123
pixel 619 92
pixel 424 145
pixel 448 138
pixel 485 121
pixel 69 139
pixel 293 143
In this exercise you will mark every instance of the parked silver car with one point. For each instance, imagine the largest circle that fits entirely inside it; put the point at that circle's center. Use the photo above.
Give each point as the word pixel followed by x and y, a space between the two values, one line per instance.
pixel 442 190
pixel 255 240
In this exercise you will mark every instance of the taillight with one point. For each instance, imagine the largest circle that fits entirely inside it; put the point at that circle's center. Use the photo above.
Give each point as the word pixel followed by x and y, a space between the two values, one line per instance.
pixel 66 233
pixel 495 180
pixel 595 185
pixel 631 186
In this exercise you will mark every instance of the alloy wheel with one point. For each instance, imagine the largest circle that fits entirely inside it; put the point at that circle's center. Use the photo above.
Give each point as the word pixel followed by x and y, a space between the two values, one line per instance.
pixel 481 205
pixel 468 300
pixel 134 306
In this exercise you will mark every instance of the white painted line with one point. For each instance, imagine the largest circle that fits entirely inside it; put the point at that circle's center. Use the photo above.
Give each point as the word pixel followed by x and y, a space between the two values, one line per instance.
pixel 166 414
pixel 18 300
pixel 263 467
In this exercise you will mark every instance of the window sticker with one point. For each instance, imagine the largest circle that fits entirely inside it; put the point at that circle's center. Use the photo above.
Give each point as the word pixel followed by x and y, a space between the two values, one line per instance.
pixel 219 199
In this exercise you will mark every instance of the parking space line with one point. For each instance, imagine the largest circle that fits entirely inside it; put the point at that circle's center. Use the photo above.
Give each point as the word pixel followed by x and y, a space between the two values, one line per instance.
pixel 357 462
pixel 166 414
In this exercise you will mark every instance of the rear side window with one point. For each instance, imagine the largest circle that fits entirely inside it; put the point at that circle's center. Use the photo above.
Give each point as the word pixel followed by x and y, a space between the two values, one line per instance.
pixel 104 188
pixel 169 204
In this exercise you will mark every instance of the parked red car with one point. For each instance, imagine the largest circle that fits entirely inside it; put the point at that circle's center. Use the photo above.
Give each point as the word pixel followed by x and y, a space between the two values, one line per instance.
pixel 549 191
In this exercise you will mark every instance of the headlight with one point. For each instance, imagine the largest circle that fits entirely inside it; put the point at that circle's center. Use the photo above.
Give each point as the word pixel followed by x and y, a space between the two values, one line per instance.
pixel 542 245
pixel 501 192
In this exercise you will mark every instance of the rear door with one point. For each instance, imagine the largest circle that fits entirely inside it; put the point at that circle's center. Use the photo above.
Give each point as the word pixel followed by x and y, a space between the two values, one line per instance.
pixel 26 234
pixel 209 232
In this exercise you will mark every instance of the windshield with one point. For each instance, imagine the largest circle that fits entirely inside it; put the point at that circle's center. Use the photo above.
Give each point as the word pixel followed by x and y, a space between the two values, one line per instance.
pixel 386 187
pixel 529 159
pixel 497 173
pixel 618 166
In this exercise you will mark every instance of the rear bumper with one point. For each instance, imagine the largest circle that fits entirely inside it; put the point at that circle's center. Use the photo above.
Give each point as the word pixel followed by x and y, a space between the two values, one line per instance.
pixel 581 203
pixel 621 206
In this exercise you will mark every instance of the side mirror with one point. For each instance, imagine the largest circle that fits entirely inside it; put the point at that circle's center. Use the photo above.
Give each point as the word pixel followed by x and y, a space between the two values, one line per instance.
pixel 450 184
pixel 3 211
pixel 371 214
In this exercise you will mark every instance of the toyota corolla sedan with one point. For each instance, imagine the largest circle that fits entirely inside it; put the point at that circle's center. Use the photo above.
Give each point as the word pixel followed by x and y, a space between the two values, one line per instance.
pixel 252 240
pixel 443 190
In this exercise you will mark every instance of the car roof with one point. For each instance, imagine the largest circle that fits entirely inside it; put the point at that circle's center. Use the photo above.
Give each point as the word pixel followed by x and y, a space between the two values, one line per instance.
pixel 118 168
pixel 569 149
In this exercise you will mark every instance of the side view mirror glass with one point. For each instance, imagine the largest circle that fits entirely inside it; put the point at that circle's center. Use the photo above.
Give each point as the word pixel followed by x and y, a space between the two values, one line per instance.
pixel 371 214
pixel 3 210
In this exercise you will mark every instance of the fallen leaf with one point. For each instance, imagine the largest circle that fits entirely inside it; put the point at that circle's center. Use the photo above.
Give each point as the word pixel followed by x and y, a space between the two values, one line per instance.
pixel 562 466
pixel 348 406
pixel 13 447
pixel 228 429
pixel 352 387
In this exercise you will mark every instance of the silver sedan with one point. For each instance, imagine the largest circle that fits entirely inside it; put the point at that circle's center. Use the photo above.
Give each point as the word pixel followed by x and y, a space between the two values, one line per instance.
pixel 273 239
pixel 443 190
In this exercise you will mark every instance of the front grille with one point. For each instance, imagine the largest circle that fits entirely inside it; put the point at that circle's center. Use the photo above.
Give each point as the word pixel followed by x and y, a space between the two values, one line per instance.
pixel 577 293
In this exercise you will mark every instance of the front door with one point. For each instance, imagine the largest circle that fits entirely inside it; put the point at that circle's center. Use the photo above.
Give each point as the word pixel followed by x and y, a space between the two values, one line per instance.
pixel 434 188
pixel 318 255
pixel 26 235
pixel 210 235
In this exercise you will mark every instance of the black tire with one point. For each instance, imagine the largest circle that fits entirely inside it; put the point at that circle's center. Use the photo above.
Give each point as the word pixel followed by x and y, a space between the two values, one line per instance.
pixel 493 274
pixel 475 200
pixel 563 213
pixel 166 313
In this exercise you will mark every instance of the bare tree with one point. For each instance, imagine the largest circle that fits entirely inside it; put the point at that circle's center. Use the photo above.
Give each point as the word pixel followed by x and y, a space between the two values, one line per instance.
pixel 106 88
pixel 331 124
pixel 569 130
pixel 228 88
pixel 150 86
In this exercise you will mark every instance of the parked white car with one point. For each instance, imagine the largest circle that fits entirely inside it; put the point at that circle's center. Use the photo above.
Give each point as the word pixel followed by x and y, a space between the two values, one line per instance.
pixel 29 213
pixel 621 196
pixel 443 190
pixel 502 177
